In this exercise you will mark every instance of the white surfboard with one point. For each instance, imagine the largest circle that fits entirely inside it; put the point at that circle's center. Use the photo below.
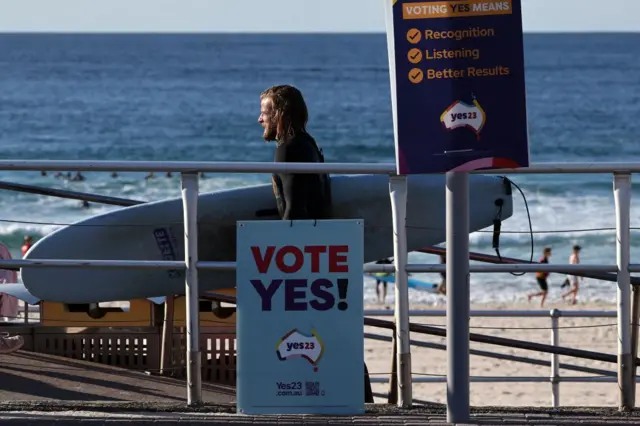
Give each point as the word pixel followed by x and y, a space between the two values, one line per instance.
pixel 154 231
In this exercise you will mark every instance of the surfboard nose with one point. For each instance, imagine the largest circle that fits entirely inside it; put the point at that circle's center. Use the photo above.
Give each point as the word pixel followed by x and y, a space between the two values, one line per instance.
pixel 489 197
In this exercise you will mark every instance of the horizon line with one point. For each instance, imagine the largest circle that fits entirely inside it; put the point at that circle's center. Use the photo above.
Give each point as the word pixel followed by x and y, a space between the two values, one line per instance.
pixel 268 32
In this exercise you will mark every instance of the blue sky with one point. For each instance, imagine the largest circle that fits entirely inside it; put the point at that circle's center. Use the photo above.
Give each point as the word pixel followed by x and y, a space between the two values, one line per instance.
pixel 282 15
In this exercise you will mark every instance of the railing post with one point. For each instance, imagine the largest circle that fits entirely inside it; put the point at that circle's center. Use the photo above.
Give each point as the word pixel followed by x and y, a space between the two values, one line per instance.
pixel 393 383
pixel 555 361
pixel 635 311
pixel 458 310
pixel 622 196
pixel 398 192
pixel 192 296
pixel 166 354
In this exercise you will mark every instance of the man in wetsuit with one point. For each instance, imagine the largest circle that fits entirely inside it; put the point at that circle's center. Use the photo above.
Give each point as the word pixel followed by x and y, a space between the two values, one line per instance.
pixel 284 115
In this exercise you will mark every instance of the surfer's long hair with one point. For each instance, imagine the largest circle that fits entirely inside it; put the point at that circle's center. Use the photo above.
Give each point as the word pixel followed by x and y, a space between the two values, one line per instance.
pixel 291 114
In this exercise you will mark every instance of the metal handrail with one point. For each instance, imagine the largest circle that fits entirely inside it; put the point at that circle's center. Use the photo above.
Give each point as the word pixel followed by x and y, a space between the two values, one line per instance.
pixel 268 167
pixel 554 378
pixel 458 268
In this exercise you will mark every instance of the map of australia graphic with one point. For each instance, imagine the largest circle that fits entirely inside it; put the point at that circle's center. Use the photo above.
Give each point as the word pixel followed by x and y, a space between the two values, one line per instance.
pixel 295 344
pixel 461 114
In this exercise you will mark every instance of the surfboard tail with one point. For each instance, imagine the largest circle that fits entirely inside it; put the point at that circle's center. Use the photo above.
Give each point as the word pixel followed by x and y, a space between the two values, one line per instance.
pixel 19 291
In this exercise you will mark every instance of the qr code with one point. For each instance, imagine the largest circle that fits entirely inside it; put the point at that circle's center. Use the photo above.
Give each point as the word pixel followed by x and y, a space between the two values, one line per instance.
pixel 312 388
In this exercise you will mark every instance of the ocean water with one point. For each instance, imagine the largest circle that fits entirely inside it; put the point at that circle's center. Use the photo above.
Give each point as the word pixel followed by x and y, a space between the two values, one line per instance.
pixel 196 97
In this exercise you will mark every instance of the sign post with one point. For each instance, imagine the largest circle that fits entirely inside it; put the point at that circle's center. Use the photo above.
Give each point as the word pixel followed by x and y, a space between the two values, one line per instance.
pixel 458 102
pixel 300 317
pixel 457 85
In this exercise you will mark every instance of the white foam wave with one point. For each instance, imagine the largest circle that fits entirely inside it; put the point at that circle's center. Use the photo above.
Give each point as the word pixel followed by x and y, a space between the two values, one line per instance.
pixel 26 228
pixel 556 212
pixel 42 214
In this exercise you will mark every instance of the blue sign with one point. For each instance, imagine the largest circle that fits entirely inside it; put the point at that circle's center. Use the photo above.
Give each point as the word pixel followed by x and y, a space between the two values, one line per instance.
pixel 457 85
pixel 300 317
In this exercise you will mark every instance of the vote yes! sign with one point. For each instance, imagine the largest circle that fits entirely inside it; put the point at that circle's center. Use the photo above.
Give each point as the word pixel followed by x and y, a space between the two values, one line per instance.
pixel 300 317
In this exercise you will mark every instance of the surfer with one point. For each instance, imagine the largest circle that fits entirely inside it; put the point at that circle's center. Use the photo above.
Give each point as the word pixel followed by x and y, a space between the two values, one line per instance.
pixel 541 277
pixel 384 283
pixel 284 115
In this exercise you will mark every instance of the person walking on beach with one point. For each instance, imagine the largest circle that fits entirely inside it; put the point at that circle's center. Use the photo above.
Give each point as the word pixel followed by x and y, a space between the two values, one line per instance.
pixel 384 283
pixel 541 277
pixel 572 280
pixel 284 116
pixel 442 287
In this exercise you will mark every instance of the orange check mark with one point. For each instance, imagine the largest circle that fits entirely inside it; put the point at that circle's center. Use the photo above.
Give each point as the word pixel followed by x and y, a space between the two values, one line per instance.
pixel 416 75
pixel 415 56
pixel 414 36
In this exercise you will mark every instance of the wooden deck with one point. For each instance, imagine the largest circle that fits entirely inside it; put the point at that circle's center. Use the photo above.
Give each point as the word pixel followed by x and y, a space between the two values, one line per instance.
pixel 45 389
pixel 31 376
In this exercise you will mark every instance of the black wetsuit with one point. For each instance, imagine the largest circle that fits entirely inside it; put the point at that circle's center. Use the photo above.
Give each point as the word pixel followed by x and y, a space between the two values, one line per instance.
pixel 302 195
pixel 306 196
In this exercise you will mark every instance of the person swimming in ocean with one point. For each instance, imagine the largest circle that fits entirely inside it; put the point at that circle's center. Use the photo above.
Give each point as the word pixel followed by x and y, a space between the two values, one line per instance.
pixel 284 115
pixel 78 177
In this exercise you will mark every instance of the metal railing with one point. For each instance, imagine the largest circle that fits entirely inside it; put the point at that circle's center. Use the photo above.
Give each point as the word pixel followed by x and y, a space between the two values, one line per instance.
pixel 554 377
pixel 457 266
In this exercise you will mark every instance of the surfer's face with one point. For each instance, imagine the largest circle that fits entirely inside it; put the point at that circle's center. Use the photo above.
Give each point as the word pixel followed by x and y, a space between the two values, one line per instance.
pixel 267 119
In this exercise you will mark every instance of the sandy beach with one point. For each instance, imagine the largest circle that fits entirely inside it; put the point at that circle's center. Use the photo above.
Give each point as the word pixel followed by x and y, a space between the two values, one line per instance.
pixel 596 334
